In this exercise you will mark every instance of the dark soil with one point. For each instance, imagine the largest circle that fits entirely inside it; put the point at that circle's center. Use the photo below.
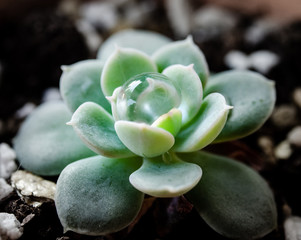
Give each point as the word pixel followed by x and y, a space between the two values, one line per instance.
pixel 35 45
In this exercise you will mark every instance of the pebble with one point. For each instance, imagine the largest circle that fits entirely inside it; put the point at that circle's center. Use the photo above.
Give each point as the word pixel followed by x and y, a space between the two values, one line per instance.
pixel 292 228
pixel 25 110
pixel 101 14
pixel 283 150
pixel 51 94
pixel 294 136
pixel 10 227
pixel 267 145
pixel 259 30
pixel 297 96
pixel 284 115
pixel 30 185
pixel 7 161
pixel 236 59
pixel 179 15
pixel 5 189
pixel 263 61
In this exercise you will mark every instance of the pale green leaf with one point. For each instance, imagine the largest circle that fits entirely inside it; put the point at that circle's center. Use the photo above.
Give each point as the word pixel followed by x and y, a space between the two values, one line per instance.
pixel 123 64
pixel 80 83
pixel 171 121
pixel 94 195
pixel 190 87
pixel 183 52
pixel 206 125
pixel 145 41
pixel 95 127
pixel 252 96
pixel 45 144
pixel 143 139
pixel 166 176
pixel 232 198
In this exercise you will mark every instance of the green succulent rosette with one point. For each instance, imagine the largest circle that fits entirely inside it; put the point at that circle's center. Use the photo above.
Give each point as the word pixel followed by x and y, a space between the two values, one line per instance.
pixel 147 113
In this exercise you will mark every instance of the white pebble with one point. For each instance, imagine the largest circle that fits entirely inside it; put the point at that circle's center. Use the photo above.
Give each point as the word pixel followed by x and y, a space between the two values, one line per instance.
pixel 51 94
pixel 294 136
pixel 260 29
pixel 179 16
pixel 236 59
pixel 284 116
pixel 5 189
pixel 7 160
pixel 283 150
pixel 263 61
pixel 25 110
pixel 10 227
pixel 101 14
pixel 92 38
pixel 292 228
pixel 212 17
pixel 29 184
pixel 297 96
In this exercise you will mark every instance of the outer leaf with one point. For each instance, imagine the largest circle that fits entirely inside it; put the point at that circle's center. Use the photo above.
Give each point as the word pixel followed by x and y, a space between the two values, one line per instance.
pixel 252 96
pixel 145 41
pixel 94 196
pixel 190 85
pixel 182 52
pixel 79 83
pixel 123 64
pixel 45 144
pixel 143 139
pixel 232 198
pixel 206 125
pixel 166 176
pixel 95 127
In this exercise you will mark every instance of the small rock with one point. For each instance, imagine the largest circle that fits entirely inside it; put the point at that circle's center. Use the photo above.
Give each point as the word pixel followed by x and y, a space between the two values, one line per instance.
pixel 25 110
pixel 292 228
pixel 7 160
pixel 236 59
pixel 5 189
pixel 259 30
pixel 297 96
pixel 267 145
pixel 263 61
pixel 10 227
pixel 179 15
pixel 294 136
pixel 283 150
pixel 30 185
pixel 92 38
pixel 51 94
pixel 101 14
pixel 284 116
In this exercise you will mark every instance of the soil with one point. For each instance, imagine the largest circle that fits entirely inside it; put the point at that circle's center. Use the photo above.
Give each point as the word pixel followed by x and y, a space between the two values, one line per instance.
pixel 34 45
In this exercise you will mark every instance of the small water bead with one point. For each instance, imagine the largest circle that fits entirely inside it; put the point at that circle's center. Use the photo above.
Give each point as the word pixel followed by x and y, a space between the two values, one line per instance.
pixel 146 97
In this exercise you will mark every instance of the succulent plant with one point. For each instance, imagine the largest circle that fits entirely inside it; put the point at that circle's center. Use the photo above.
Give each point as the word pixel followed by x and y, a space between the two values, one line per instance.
pixel 140 115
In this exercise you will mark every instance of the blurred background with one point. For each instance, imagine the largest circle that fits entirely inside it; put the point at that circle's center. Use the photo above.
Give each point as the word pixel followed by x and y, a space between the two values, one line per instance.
pixel 38 37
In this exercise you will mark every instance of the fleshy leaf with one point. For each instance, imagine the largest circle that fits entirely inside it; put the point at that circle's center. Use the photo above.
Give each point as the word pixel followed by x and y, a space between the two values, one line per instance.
pixel 79 83
pixel 143 139
pixel 145 41
pixel 95 197
pixel 95 127
pixel 171 121
pixel 183 52
pixel 232 198
pixel 206 125
pixel 45 144
pixel 123 64
pixel 166 176
pixel 191 89
pixel 252 96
